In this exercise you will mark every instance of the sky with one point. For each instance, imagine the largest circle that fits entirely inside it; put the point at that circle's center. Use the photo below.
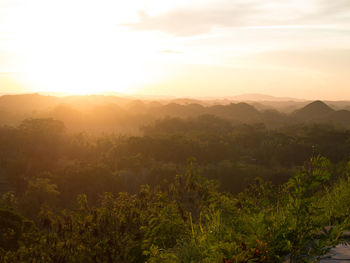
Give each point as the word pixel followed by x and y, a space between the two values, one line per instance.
pixel 182 48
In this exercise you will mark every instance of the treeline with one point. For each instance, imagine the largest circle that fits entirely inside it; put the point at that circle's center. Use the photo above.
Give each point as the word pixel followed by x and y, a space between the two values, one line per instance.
pixel 232 154
pixel 188 220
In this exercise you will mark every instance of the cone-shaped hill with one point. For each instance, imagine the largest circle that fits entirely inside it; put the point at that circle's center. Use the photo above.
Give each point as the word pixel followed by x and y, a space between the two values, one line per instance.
pixel 316 110
pixel 319 111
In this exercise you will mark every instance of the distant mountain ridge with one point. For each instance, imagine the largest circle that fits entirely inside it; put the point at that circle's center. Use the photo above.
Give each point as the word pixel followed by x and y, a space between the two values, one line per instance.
pixel 262 97
pixel 101 113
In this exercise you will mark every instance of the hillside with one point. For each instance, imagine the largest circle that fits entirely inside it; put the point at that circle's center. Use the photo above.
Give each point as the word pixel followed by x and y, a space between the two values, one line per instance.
pixel 316 110
pixel 319 111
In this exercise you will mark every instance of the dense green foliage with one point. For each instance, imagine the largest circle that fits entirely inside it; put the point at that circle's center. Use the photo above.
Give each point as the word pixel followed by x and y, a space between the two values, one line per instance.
pixel 187 221
pixel 232 154
pixel 251 194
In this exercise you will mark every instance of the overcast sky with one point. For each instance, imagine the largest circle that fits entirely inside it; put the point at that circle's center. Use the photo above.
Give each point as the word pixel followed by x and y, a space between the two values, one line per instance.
pixel 181 48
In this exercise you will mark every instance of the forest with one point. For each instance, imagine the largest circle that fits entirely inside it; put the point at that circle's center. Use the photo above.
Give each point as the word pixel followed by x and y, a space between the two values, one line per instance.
pixel 202 187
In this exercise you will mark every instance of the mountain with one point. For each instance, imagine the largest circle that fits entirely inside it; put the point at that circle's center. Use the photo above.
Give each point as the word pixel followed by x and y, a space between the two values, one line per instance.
pixel 26 103
pixel 316 110
pixel 99 113
pixel 178 110
pixel 319 111
pixel 236 111
pixel 261 97
pixel 340 116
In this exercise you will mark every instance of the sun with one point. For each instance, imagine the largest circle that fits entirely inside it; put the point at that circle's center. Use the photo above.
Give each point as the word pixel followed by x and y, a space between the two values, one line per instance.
pixel 79 69
pixel 73 47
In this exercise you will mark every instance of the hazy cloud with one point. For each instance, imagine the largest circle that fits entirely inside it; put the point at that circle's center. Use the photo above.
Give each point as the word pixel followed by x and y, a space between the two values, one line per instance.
pixel 335 6
pixel 200 20
pixel 186 22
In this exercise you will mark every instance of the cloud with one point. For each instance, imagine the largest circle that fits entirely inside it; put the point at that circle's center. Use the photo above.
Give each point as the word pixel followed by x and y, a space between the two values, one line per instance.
pixel 200 20
pixel 195 21
pixel 326 11
pixel 335 6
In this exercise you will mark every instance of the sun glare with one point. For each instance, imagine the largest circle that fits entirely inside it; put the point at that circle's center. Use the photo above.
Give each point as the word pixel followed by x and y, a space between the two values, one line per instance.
pixel 82 49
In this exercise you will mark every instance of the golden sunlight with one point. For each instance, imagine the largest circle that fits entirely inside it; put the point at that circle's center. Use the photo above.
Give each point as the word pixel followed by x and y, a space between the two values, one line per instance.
pixel 79 48
pixel 177 48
